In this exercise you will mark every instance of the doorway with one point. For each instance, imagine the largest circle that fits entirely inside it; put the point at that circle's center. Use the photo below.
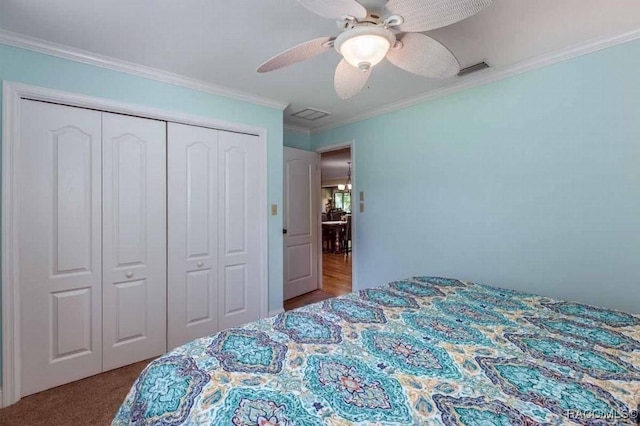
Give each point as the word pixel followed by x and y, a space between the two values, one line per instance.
pixel 336 220
pixel 313 275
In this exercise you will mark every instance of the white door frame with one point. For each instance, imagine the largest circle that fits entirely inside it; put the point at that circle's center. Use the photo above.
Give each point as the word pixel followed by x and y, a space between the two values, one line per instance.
pixel 12 94
pixel 354 210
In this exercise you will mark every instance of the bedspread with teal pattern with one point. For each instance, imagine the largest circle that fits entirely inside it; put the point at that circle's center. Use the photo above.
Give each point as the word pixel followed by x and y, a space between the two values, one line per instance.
pixel 420 351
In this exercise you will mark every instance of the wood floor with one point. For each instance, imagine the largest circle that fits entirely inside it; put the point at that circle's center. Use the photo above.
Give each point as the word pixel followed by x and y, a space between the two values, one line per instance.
pixel 336 274
pixel 336 281
pixel 91 401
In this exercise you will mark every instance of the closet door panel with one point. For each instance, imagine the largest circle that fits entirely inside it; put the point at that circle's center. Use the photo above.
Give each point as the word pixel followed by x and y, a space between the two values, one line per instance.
pixel 239 243
pixel 134 241
pixel 193 233
pixel 59 216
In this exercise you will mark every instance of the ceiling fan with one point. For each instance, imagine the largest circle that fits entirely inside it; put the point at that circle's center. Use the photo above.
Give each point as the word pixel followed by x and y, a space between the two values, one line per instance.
pixel 391 31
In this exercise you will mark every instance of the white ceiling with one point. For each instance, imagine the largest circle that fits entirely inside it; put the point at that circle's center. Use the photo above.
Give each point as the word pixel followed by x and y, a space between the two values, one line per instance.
pixel 222 42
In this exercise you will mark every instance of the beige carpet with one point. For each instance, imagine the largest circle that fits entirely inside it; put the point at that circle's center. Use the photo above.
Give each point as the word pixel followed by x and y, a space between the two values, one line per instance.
pixel 91 401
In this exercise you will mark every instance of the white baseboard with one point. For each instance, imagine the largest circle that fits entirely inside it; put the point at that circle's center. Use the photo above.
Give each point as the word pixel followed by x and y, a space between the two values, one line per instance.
pixel 275 312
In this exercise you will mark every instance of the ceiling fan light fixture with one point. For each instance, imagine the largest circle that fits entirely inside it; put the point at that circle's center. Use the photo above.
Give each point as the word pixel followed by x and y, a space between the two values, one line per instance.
pixel 365 46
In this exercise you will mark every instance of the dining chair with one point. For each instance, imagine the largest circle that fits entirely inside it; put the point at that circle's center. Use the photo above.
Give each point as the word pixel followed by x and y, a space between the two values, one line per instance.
pixel 335 214
pixel 328 238
pixel 346 241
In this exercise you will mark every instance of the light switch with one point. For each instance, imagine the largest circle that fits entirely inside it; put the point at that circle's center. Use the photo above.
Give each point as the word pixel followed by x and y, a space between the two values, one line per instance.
pixel 361 207
pixel 274 209
pixel 361 196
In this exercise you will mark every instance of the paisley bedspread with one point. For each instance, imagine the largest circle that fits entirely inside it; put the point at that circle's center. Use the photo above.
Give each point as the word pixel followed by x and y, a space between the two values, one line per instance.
pixel 420 351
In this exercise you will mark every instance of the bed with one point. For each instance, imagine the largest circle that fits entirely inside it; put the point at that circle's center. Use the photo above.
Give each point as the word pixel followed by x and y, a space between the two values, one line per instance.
pixel 424 350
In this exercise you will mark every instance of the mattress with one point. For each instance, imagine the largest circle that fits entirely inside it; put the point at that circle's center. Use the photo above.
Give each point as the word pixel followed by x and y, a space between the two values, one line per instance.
pixel 424 350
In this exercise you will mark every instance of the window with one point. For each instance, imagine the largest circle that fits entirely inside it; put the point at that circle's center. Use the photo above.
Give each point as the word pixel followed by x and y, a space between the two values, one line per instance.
pixel 342 200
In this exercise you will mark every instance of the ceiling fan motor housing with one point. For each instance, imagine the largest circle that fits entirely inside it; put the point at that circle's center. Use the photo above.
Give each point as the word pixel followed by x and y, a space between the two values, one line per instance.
pixel 365 45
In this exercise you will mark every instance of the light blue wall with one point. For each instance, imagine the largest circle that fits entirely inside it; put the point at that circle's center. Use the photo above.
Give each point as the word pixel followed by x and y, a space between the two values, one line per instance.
pixel 531 183
pixel 296 139
pixel 24 66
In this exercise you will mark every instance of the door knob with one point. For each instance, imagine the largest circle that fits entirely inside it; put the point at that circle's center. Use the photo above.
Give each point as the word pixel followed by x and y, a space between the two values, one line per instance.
pixel 129 274
pixel 200 264
pixel 284 231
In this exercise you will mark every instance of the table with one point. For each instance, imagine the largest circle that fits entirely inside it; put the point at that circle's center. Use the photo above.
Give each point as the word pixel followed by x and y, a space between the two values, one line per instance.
pixel 337 226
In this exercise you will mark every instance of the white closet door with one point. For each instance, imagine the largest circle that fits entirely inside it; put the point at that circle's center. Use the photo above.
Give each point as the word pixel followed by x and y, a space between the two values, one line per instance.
pixel 239 242
pixel 59 174
pixel 134 239
pixel 193 233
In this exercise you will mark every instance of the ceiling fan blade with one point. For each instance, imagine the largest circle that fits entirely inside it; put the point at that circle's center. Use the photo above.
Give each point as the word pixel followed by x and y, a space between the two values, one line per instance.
pixel 422 55
pixel 349 80
pixel 297 54
pixel 334 9
pixel 425 15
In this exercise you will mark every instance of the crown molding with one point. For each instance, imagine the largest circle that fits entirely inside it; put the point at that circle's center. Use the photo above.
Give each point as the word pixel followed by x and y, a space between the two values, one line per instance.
pixel 491 75
pixel 54 49
pixel 487 76
pixel 297 129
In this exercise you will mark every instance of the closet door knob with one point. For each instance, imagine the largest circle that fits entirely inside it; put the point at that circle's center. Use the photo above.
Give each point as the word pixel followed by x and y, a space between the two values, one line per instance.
pixel 200 264
pixel 129 274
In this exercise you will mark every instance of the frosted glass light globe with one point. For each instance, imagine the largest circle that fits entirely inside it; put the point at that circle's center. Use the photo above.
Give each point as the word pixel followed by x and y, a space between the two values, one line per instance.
pixel 364 47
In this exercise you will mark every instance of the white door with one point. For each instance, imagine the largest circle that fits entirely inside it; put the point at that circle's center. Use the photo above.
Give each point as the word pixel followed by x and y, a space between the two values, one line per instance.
pixel 301 215
pixel 59 175
pixel 134 287
pixel 239 239
pixel 192 233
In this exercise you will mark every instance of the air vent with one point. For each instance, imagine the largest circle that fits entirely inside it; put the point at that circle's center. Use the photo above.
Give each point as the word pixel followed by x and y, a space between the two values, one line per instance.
pixel 310 114
pixel 473 68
